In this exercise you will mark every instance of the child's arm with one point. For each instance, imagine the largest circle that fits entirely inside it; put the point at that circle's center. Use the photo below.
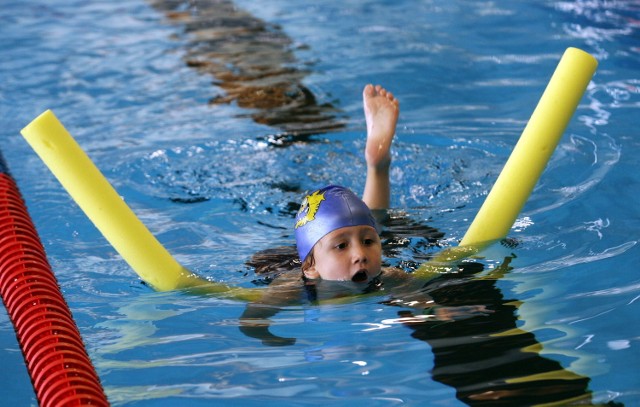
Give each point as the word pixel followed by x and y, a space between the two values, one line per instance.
pixel 381 111
pixel 377 188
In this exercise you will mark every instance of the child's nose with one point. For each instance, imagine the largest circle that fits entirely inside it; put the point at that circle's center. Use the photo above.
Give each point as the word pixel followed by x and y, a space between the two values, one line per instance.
pixel 359 254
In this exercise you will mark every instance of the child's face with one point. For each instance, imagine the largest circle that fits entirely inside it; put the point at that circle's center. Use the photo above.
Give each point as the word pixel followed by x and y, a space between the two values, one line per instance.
pixel 348 254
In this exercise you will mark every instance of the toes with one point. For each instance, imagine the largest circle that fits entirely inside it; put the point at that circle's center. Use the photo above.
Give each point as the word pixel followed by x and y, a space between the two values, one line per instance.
pixel 369 90
pixel 377 90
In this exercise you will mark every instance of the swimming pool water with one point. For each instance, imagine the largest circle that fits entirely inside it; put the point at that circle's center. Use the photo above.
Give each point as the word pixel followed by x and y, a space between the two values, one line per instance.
pixel 158 93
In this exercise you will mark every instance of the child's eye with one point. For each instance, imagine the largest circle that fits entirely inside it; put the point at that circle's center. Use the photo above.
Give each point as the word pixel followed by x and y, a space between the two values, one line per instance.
pixel 370 241
pixel 341 246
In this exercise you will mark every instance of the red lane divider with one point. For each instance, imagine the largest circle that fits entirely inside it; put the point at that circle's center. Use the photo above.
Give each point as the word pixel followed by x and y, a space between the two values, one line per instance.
pixel 60 368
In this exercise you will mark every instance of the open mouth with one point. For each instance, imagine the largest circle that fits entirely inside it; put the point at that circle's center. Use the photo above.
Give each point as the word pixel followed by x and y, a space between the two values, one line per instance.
pixel 360 277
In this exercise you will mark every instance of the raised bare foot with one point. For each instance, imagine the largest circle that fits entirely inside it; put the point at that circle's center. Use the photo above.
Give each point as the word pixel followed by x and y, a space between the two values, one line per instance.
pixel 381 111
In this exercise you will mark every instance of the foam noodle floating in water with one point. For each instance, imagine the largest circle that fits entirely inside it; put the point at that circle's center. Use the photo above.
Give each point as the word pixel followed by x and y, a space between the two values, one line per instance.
pixel 102 204
pixel 109 213
pixel 529 157
pixel 534 148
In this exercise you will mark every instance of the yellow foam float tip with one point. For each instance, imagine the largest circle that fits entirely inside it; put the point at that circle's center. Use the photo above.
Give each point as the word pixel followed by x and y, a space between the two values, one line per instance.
pixel 104 207
pixel 529 157
pixel 534 148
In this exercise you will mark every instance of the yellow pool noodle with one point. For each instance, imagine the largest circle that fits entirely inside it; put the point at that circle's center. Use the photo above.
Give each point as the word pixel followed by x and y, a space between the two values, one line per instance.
pixel 534 149
pixel 104 207
pixel 528 158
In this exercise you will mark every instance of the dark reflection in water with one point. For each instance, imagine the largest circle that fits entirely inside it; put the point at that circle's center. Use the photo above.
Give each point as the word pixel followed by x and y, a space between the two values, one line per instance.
pixel 486 358
pixel 470 326
pixel 253 62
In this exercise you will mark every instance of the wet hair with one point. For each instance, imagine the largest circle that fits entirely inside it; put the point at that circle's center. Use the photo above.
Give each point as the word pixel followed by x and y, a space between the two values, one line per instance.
pixel 308 262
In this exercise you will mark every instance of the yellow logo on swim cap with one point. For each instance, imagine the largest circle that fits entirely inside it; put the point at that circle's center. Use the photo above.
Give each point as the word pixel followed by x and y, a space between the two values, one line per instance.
pixel 310 205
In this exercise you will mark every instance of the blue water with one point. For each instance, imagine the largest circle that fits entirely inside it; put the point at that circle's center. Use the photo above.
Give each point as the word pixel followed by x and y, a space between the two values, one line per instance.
pixel 215 183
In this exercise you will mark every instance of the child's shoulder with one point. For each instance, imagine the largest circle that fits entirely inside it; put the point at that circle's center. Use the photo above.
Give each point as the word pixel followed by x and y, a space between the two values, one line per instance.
pixel 398 281
pixel 395 272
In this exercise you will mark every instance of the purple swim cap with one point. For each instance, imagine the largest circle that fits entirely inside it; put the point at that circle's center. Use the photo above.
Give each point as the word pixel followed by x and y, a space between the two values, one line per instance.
pixel 325 210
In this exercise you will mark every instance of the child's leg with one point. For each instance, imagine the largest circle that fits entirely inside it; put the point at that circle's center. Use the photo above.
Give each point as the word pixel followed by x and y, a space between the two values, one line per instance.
pixel 381 111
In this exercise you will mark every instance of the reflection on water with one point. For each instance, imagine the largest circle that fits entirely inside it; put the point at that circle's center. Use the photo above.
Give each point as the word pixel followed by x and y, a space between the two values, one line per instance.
pixel 253 62
pixel 487 359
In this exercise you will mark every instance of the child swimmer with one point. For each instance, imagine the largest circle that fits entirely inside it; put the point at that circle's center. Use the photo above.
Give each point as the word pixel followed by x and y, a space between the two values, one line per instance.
pixel 336 233
pixel 338 243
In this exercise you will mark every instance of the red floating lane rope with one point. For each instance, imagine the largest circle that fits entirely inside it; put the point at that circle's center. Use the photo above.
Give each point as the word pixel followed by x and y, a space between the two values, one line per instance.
pixel 61 371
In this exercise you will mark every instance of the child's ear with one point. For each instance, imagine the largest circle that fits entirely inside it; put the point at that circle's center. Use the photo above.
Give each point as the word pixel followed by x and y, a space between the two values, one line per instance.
pixel 311 272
